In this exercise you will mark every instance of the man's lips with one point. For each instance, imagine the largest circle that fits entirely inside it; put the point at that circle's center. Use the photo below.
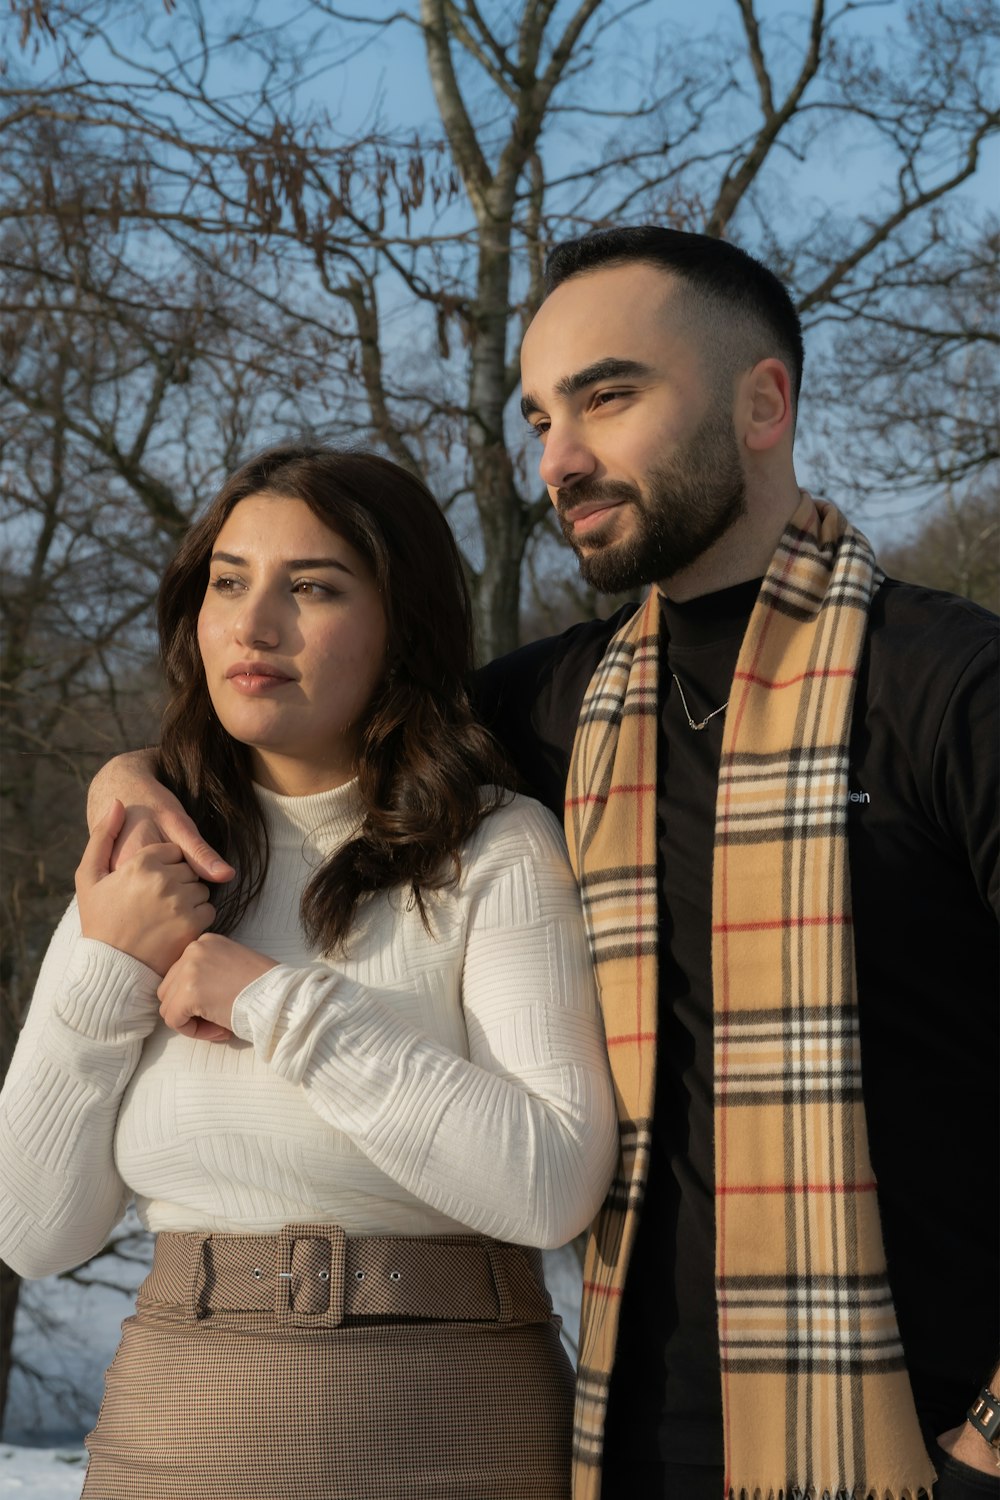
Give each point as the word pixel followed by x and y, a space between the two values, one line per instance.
pixel 586 517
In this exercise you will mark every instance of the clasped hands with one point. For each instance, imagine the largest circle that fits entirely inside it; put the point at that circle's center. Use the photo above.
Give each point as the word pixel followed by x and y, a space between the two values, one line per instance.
pixel 153 906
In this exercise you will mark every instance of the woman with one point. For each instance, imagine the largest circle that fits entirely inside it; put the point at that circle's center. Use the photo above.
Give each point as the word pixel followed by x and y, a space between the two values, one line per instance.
pixel 347 1109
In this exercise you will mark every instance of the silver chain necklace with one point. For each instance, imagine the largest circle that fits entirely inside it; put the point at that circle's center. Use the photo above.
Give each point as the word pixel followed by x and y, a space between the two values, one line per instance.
pixel 691 722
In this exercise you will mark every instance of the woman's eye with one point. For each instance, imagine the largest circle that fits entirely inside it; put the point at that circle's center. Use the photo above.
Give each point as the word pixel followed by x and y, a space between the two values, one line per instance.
pixel 225 585
pixel 311 588
pixel 539 429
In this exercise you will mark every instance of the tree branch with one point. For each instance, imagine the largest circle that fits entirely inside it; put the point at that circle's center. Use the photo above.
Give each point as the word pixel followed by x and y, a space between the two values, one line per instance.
pixel 461 133
pixel 736 183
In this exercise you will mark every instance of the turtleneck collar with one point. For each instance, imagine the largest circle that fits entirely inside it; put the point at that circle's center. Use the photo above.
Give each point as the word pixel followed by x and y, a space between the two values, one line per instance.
pixel 325 819
pixel 711 617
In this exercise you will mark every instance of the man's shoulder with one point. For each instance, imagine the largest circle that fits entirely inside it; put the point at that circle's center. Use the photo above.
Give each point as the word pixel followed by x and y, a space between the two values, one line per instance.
pixel 929 666
pixel 929 627
pixel 554 662
pixel 531 700
pixel 904 602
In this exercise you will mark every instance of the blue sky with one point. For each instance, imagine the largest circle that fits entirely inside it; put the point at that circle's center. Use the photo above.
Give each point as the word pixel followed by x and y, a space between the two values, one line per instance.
pixel 384 82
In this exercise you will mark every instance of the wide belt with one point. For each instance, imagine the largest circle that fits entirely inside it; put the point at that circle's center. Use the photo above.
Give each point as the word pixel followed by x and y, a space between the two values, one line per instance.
pixel 315 1275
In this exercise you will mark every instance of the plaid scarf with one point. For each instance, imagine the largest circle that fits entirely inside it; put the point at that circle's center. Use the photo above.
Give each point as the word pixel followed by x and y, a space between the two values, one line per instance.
pixel 816 1399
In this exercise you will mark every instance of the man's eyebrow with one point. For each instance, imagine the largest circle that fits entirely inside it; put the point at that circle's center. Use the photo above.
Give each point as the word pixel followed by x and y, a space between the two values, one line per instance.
pixel 601 369
pixel 291 564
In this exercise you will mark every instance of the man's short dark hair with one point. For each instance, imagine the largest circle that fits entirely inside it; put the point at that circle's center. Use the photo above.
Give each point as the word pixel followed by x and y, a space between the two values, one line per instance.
pixel 749 310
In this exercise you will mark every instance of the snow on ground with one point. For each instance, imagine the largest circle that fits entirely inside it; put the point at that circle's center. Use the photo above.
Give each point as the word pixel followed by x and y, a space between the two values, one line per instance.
pixel 65 1334
pixel 41 1473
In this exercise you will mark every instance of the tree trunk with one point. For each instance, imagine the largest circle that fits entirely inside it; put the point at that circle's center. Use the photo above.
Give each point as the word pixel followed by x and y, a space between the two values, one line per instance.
pixel 10 1289
pixel 497 590
pixel 500 508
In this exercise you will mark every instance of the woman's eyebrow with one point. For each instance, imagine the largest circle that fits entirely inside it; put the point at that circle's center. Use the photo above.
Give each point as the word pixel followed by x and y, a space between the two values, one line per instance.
pixel 318 562
pixel 291 564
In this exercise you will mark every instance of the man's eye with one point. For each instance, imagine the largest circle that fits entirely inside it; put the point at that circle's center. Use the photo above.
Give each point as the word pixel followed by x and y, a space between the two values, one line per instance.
pixel 601 398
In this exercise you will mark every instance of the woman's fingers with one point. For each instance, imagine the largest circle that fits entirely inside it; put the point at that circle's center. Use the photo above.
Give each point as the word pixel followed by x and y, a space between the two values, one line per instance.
pixel 96 861
pixel 138 831
pixel 130 778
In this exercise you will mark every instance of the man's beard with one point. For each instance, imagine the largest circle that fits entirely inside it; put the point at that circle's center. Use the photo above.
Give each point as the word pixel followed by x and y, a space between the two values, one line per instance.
pixel 690 502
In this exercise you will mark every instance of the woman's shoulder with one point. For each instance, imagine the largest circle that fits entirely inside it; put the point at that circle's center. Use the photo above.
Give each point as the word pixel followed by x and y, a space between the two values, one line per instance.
pixel 516 826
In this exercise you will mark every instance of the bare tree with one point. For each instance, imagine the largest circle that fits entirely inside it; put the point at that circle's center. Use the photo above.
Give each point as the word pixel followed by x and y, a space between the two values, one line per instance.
pixel 205 245
pixel 954 546
pixel 128 389
pixel 423 248
pixel 916 370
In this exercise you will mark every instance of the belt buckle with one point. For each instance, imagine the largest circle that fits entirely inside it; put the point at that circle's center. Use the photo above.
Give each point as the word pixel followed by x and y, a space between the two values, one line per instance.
pixel 286 1277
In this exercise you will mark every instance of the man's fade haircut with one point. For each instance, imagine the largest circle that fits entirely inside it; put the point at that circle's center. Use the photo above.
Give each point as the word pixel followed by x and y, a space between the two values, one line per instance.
pixel 743 305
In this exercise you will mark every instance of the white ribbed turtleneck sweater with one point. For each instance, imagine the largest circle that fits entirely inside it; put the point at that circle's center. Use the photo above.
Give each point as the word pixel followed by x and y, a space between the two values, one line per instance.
pixel 423 1083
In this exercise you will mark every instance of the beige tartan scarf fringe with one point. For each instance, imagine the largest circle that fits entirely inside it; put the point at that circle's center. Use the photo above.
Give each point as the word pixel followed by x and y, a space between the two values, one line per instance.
pixel 816 1399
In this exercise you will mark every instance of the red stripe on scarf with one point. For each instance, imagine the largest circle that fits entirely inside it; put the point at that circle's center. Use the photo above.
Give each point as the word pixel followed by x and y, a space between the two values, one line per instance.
pixel 721 1005
pixel 767 682
pixel 594 799
pixel 834 920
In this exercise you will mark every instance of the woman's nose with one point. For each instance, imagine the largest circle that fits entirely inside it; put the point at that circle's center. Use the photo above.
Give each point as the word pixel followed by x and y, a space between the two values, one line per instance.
pixel 257 624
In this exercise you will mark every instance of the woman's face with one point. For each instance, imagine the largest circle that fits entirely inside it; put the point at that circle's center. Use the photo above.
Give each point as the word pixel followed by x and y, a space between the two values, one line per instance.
pixel 293 637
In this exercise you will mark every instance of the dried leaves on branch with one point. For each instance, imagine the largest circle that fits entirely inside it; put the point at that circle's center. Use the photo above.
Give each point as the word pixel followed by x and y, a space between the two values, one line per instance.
pixel 384 184
pixel 219 227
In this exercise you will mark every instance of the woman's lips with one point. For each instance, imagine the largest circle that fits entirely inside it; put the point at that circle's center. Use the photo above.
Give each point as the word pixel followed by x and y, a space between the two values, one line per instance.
pixel 253 679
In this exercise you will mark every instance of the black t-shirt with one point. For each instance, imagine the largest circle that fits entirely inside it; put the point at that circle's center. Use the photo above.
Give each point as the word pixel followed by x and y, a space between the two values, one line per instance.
pixel 922 838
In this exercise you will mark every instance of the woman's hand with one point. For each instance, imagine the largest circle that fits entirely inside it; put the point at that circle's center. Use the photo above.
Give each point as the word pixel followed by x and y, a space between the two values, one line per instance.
pixel 152 814
pixel 196 996
pixel 151 907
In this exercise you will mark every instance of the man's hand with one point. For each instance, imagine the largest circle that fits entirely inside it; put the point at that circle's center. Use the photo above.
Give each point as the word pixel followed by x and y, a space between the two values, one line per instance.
pixel 130 779
pixel 151 908
pixel 968 1446
pixel 196 996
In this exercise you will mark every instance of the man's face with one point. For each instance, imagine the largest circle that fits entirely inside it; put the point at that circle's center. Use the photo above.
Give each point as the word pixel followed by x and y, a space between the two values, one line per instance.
pixel 639 454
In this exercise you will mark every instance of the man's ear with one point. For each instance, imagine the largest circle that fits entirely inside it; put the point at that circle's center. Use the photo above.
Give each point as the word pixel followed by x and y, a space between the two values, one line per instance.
pixel 765 403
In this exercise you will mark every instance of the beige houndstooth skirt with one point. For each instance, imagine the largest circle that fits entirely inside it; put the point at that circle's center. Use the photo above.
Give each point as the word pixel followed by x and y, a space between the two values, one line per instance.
pixel 311 1366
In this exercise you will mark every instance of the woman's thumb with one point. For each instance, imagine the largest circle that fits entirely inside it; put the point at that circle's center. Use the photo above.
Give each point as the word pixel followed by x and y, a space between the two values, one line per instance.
pixel 96 861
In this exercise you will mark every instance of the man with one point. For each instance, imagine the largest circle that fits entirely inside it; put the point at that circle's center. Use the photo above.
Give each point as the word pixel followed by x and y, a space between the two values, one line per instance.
pixel 782 775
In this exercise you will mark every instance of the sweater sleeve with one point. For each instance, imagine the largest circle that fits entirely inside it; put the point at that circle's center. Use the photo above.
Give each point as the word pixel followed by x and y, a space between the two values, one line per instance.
pixel 61 1194
pixel 519 1139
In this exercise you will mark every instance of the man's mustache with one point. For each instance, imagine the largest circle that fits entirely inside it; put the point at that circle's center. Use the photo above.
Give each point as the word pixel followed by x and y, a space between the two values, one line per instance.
pixel 594 491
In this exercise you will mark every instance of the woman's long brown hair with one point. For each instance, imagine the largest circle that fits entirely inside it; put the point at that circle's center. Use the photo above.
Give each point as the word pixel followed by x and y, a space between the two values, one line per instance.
pixel 423 761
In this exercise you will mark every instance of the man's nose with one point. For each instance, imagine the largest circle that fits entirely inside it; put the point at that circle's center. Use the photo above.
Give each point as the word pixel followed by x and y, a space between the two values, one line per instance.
pixel 566 458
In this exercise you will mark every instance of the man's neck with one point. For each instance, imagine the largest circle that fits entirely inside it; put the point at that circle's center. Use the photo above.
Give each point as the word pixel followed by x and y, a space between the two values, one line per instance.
pixel 744 552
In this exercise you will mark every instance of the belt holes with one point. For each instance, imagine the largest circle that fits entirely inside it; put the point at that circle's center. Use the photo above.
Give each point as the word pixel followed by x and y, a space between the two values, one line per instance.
pixel 395 1275
pixel 256 1273
pixel 359 1275
pixel 324 1276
